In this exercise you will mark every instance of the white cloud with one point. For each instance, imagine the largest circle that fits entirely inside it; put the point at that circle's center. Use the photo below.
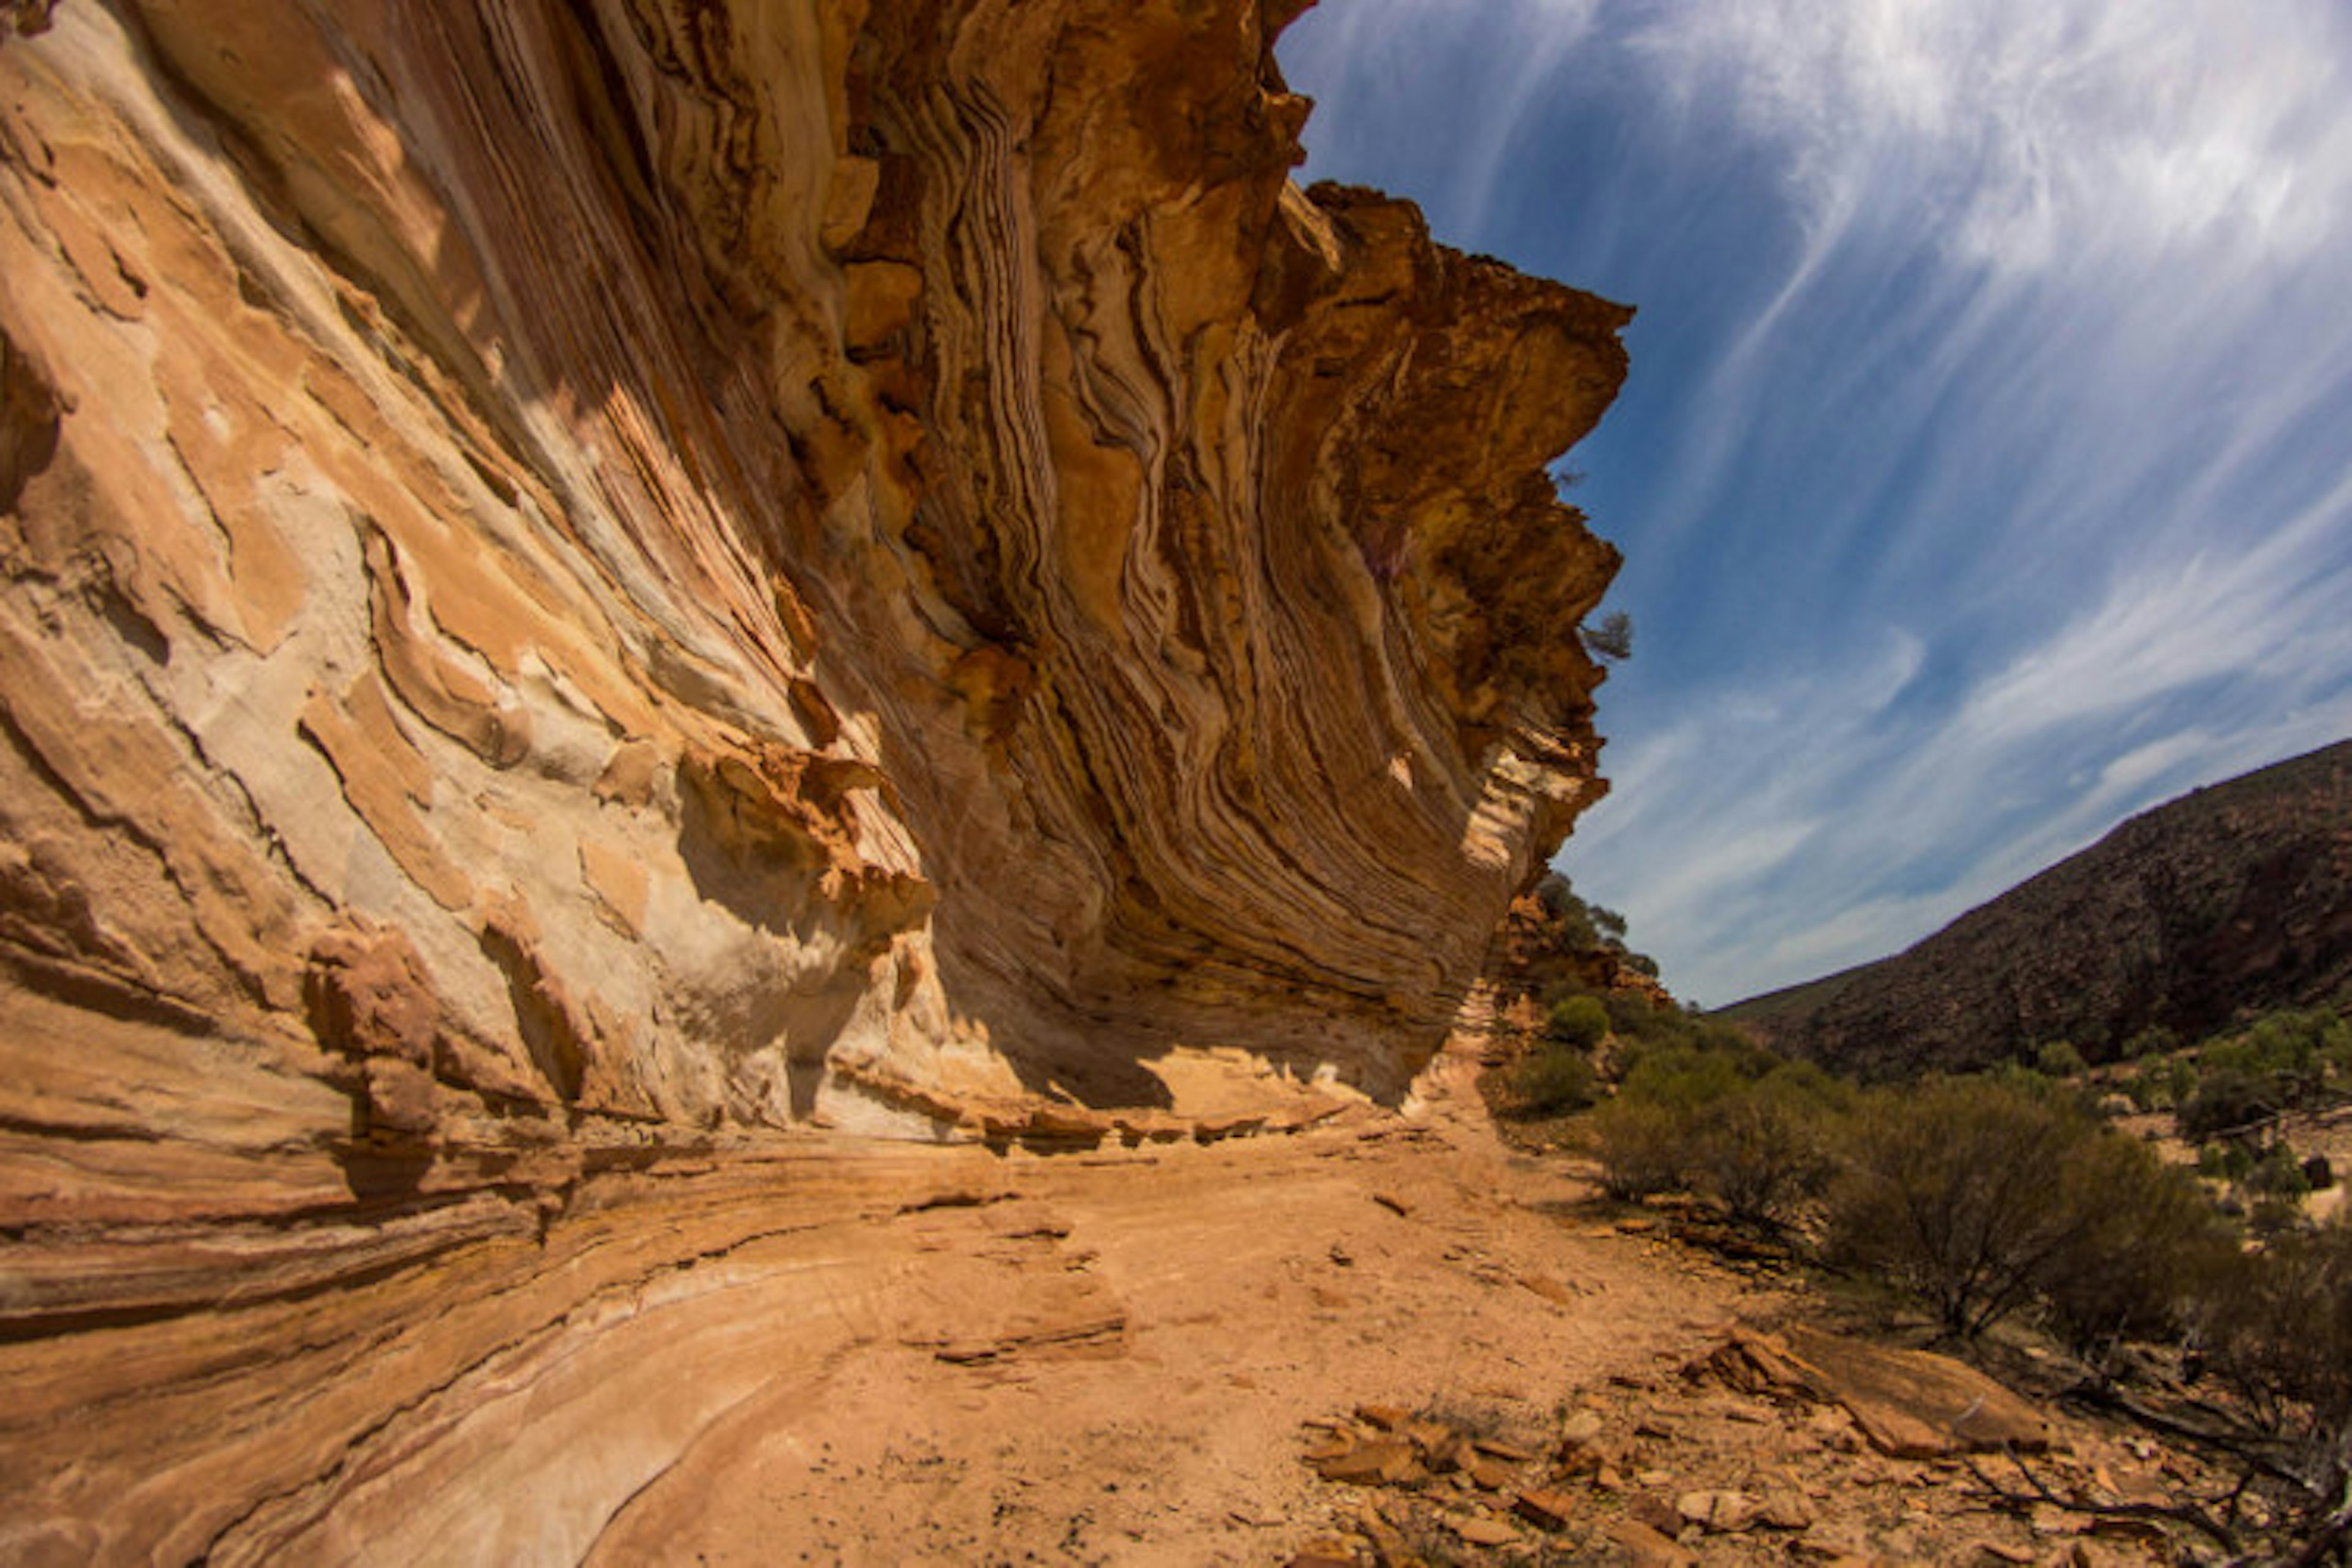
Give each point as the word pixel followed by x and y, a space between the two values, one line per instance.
pixel 2041 133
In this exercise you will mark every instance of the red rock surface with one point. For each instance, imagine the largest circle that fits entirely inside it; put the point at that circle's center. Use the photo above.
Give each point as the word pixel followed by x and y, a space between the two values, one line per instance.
pixel 591 591
pixel 800 566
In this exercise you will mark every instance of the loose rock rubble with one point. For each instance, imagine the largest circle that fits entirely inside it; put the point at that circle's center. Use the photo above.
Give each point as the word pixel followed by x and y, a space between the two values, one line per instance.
pixel 1796 1445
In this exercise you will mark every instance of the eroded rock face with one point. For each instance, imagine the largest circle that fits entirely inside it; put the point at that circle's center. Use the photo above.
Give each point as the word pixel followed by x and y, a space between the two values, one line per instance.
pixel 586 587
pixel 636 565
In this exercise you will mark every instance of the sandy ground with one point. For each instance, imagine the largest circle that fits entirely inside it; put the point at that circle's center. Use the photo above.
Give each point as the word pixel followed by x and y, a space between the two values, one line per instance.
pixel 1111 1358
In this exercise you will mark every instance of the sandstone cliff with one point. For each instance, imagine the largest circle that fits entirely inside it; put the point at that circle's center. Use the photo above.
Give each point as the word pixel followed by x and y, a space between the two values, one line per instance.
pixel 2226 902
pixel 581 582
pixel 707 563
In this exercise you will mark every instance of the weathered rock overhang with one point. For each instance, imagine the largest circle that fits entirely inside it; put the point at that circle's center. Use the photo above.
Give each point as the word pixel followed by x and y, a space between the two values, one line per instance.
pixel 764 565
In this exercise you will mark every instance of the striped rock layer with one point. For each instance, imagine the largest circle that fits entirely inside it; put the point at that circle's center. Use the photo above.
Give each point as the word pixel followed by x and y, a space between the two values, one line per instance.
pixel 736 565
pixel 589 588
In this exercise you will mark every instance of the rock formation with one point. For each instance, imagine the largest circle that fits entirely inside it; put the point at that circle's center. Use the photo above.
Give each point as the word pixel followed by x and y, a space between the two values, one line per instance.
pixel 581 582
pixel 737 564
pixel 2227 902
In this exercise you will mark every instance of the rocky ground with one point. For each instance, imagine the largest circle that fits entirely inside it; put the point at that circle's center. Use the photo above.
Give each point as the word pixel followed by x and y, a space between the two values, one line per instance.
pixel 1386 1339
pixel 1123 1357
pixel 1388 1336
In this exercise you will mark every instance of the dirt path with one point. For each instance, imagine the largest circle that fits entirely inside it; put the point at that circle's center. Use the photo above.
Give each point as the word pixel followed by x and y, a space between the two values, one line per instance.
pixel 1109 1358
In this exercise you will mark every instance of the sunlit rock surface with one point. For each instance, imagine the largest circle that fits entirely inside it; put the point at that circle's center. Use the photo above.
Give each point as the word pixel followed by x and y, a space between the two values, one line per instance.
pixel 745 559
pixel 580 581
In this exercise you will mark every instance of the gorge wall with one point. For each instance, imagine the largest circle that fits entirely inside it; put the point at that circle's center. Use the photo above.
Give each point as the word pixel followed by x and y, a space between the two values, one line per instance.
pixel 727 565
pixel 2206 911
pixel 587 589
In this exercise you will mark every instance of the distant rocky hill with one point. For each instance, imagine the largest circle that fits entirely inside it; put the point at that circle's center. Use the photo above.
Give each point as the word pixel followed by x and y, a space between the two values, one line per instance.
pixel 2231 899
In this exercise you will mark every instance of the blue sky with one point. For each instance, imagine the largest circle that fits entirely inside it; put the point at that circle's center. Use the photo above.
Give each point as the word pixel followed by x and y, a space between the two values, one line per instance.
pixel 1985 474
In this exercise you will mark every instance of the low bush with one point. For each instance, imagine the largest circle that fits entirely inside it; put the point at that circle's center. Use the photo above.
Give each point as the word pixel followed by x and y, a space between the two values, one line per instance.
pixel 2228 1101
pixel 1579 1021
pixel 1638 1022
pixel 2286 1061
pixel 2278 1174
pixel 1644 1136
pixel 1967 1192
pixel 1768 1147
pixel 1641 1147
pixel 2059 1059
pixel 1554 1080
pixel 2152 1244
pixel 2224 1161
pixel 1740 1126
pixel 2161 1085
pixel 2279 1330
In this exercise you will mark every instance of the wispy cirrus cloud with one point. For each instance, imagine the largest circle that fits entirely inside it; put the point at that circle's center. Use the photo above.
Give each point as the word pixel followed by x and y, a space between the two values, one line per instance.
pixel 1984 472
pixel 2038 134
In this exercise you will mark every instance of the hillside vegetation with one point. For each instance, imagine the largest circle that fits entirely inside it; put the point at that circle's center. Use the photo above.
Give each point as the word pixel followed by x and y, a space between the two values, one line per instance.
pixel 2165 1224
pixel 2218 906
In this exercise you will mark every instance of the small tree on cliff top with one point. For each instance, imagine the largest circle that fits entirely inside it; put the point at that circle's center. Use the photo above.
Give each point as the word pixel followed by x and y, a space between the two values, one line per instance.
pixel 1613 638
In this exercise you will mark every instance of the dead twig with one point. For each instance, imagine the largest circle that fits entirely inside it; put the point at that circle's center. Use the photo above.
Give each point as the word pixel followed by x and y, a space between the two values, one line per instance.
pixel 2234 1440
pixel 2037 1491
pixel 2328 1537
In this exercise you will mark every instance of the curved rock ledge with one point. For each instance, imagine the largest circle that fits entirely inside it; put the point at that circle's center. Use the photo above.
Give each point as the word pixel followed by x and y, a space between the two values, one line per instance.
pixel 581 582
pixel 724 545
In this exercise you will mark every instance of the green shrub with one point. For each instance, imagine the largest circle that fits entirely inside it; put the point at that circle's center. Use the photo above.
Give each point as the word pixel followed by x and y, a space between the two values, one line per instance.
pixel 2278 1174
pixel 2285 1061
pixel 1956 1190
pixel 1643 1025
pixel 1687 1117
pixel 1643 1137
pixel 1767 1146
pixel 1640 1148
pixel 2152 1244
pixel 2160 1086
pixel 1573 915
pixel 2280 1329
pixel 1555 1079
pixel 2224 1161
pixel 2273 1218
pixel 1580 1021
pixel 2059 1059
pixel 1639 1021
pixel 2228 1101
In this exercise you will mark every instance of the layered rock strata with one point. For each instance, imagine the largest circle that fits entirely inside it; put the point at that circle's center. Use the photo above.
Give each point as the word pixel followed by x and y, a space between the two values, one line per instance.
pixel 738 564
pixel 583 585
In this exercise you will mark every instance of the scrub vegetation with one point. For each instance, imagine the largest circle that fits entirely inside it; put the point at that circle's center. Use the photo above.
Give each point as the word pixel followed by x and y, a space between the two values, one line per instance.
pixel 2010 1205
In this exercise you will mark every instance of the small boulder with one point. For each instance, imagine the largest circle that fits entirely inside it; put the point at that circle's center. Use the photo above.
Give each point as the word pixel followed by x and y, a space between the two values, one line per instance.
pixel 1490 1475
pixel 1718 1512
pixel 1544 1508
pixel 1481 1532
pixel 1648 1547
pixel 1510 1453
pixel 1381 1462
pixel 1445 1451
pixel 1648 1507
